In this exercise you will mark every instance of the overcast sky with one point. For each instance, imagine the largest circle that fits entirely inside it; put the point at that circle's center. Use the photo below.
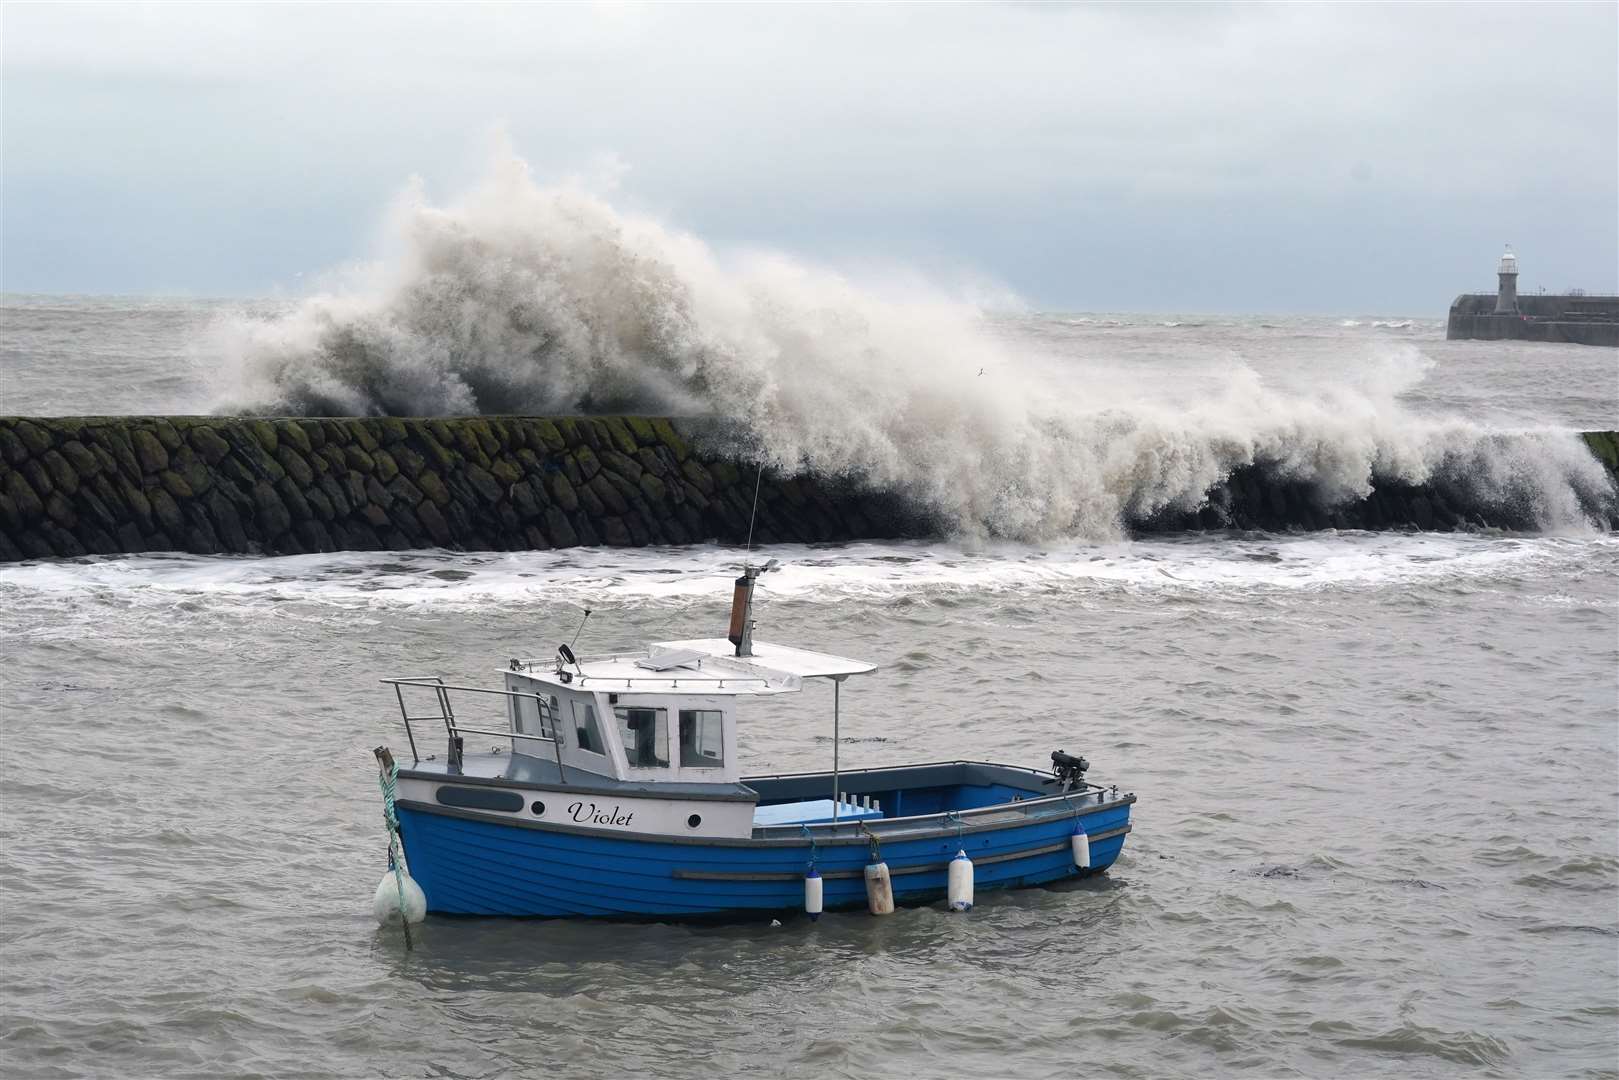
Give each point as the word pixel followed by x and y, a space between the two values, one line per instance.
pixel 1308 158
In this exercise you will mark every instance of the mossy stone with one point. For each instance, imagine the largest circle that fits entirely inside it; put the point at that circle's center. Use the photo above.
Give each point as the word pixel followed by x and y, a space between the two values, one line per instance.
pixel 699 476
pixel 608 494
pixel 314 431
pixel 524 502
pixel 149 451
pixel 504 471
pixel 694 497
pixel 483 430
pixel 651 462
pixel 270 510
pixel 569 428
pixel 589 464
pixel 550 437
pixel 1605 445
pixel 623 441
pixel 387 467
pixel 34 437
pixel 559 529
pixel 167 512
pixel 485 484
pixel 438 455
pixel 563 494
pixel 627 467
pixel 29 505
pixel 358 460
pixel 642 429
pixel 410 462
pixel 208 443
pixel 291 434
pixel 62 474
pixel 406 492
pixel 376 494
pixel 292 494
pixel 297 468
pixel 335 433
pixel 116 442
pixel 319 504
pixel 433 521
pixel 175 484
pixel 433 487
pixel 390 429
pixel 669 437
pixel 11 447
pixel 37 475
pixel 653 488
pixel 363 435
pixel 166 434
pixel 335 495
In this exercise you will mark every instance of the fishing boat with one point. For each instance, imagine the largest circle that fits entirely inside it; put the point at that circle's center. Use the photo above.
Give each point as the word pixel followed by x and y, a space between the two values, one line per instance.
pixel 612 789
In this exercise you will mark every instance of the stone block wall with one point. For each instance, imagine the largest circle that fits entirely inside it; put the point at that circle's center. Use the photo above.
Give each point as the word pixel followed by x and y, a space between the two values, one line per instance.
pixel 208 485
pixel 103 485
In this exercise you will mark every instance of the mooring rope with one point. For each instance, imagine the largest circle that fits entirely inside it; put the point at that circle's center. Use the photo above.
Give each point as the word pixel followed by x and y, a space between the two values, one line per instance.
pixel 389 781
pixel 876 845
pixel 811 838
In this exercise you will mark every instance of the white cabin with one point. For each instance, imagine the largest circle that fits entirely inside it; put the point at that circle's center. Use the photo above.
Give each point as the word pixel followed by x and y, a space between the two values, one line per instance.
pixel 665 715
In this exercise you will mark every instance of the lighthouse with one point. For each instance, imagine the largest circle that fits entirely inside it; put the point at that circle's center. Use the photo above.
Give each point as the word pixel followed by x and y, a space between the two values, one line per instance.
pixel 1506 295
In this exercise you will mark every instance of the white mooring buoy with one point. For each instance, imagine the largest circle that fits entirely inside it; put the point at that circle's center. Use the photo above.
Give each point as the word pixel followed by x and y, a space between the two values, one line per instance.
pixel 1082 849
pixel 812 894
pixel 961 882
pixel 879 891
pixel 386 904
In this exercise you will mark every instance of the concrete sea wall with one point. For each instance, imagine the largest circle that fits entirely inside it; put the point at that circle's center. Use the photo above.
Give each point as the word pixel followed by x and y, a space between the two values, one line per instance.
pixel 1578 320
pixel 104 485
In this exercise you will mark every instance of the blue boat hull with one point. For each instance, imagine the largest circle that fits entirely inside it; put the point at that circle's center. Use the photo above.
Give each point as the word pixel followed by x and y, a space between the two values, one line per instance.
pixel 472 865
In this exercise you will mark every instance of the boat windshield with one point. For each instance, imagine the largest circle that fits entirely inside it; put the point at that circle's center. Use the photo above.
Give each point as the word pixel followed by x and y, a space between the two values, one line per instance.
pixel 702 739
pixel 646 736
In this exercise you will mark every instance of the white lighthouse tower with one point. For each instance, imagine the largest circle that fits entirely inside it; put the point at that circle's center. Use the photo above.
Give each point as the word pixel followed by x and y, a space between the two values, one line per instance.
pixel 1506 295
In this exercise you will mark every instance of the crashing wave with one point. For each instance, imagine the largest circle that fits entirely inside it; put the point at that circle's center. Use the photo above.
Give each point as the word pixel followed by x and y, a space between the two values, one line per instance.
pixel 525 299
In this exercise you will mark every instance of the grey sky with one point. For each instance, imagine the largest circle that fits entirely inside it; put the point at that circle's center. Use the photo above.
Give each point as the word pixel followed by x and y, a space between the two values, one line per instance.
pixel 1357 158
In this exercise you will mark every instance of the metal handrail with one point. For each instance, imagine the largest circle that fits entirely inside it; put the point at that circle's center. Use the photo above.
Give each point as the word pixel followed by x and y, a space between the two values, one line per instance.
pixel 527 667
pixel 446 714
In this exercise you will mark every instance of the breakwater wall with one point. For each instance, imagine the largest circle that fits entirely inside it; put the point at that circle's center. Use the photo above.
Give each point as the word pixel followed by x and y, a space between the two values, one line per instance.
pixel 104 485
pixel 1576 319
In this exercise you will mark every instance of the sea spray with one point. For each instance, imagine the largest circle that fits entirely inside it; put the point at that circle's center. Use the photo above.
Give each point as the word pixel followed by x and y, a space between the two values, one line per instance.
pixel 520 298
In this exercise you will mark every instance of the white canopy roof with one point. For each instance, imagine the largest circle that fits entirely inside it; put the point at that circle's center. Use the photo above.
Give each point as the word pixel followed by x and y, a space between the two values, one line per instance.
pixel 782 658
pixel 705 666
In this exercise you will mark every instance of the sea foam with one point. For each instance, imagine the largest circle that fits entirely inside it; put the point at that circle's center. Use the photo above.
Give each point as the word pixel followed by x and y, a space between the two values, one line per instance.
pixel 524 298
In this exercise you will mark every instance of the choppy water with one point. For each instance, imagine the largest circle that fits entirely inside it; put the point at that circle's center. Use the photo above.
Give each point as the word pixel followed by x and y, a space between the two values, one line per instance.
pixel 1378 828
pixel 1376 833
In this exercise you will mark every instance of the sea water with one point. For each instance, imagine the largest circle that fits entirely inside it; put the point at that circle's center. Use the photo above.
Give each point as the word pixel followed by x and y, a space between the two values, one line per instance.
pixel 1378 807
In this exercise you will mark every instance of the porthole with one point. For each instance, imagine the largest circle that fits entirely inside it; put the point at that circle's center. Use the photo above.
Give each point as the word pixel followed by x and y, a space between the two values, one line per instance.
pixel 694 821
pixel 538 808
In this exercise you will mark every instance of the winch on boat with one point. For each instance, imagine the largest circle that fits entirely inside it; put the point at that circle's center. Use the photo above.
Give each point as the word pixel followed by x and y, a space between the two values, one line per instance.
pixel 614 789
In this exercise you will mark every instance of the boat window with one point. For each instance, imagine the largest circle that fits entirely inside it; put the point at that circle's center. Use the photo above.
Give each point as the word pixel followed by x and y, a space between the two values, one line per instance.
pixel 585 732
pixel 646 736
pixel 702 742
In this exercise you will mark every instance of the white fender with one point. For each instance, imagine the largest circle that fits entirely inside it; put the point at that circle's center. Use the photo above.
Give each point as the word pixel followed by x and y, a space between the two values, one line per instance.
pixel 812 894
pixel 961 882
pixel 879 891
pixel 386 904
pixel 1082 850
